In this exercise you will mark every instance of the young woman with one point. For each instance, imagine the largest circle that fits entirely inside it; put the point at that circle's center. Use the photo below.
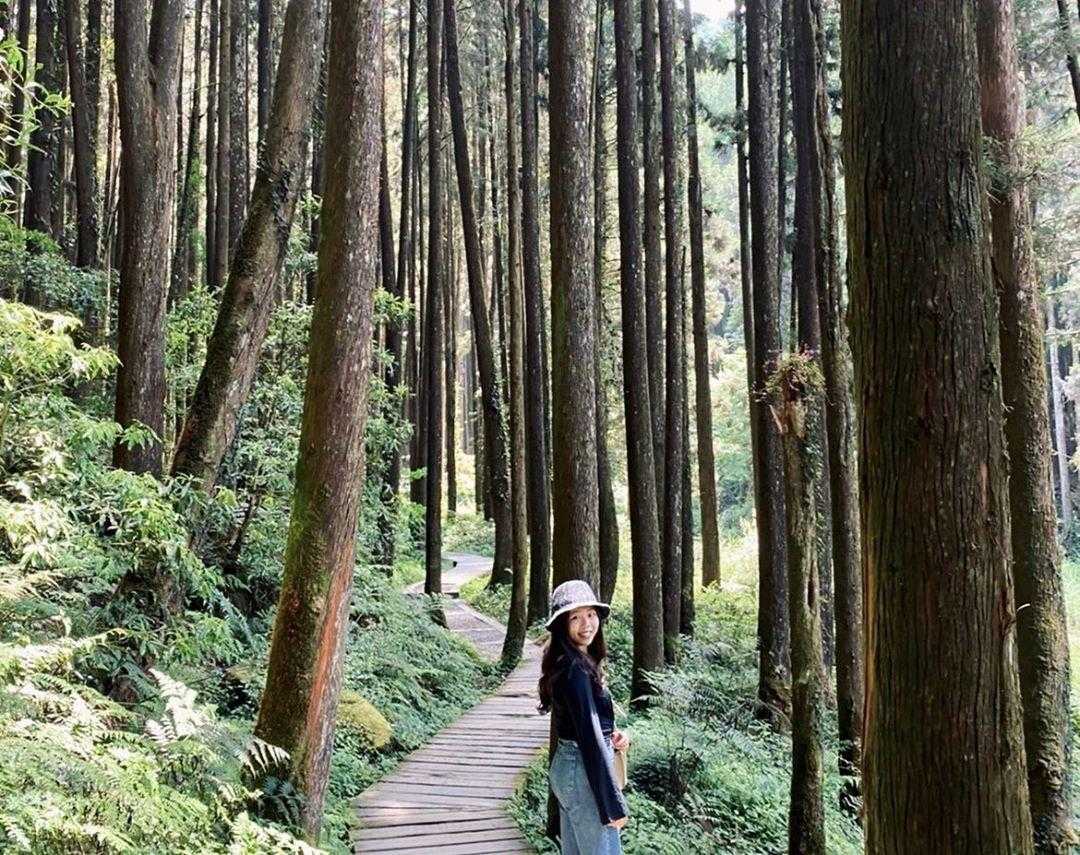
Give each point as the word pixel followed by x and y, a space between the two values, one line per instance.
pixel 591 806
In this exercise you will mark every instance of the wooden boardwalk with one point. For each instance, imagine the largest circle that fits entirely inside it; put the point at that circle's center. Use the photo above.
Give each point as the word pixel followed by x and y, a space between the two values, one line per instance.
pixel 451 795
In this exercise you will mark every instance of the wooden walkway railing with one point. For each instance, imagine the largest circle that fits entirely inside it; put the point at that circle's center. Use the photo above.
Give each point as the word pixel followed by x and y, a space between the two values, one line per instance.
pixel 451 796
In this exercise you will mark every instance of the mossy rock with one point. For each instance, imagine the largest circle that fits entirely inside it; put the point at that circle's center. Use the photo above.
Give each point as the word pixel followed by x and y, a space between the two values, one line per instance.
pixel 358 715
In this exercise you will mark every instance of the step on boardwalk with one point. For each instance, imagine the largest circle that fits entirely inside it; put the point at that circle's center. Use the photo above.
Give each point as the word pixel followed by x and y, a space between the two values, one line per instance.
pixel 451 795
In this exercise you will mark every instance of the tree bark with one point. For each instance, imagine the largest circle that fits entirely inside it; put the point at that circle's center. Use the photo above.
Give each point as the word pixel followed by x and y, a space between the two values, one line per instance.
pixel 264 65
pixel 232 353
pixel 222 237
pixel 146 83
pixel 517 623
pixel 1065 28
pixel 45 137
pixel 1057 392
pixel 210 221
pixel 933 466
pixel 609 523
pixel 839 409
pixel 674 398
pixel 710 531
pixel 575 547
pixel 539 492
pixel 238 122
pixel 687 580
pixel 762 49
pixel 304 673
pixel 799 387
pixel 189 202
pixel 318 139
pixel 450 301
pixel 654 302
pixel 1041 631
pixel 395 375
pixel 648 652
pixel 85 153
pixel 496 453
pixel 431 352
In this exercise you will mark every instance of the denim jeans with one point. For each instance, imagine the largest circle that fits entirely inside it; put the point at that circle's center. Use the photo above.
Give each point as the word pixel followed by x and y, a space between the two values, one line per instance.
pixel 581 832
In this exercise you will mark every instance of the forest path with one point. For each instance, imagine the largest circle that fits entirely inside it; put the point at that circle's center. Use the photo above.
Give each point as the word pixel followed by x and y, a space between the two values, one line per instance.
pixel 451 795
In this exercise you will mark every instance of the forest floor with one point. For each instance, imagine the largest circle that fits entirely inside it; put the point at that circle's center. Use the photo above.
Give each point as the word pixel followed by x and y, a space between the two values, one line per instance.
pixel 454 792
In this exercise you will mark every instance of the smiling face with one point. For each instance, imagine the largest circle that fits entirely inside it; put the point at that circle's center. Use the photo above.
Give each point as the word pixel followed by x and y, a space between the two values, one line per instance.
pixel 581 627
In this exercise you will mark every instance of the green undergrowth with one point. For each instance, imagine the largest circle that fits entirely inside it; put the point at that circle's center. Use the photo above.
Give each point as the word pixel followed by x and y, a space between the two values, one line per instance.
pixel 124 729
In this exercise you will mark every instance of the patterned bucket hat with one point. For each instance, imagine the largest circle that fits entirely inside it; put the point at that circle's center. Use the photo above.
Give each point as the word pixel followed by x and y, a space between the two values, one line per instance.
pixel 575 594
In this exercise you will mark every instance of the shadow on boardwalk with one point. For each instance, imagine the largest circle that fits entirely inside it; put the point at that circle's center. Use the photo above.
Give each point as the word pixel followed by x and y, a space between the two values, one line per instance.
pixel 451 795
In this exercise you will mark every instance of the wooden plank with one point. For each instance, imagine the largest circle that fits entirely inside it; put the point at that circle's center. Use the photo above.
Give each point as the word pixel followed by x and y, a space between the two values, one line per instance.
pixel 376 817
pixel 502 847
pixel 433 829
pixel 510 837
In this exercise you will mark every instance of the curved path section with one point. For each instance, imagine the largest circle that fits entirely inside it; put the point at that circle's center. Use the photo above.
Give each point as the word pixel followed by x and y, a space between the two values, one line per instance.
pixel 451 795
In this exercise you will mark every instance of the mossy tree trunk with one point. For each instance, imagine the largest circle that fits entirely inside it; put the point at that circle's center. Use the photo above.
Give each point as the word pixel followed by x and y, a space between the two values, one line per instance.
pixel 796 399
pixel 232 353
pixel 762 59
pixel 304 672
pixel 641 475
pixel 1041 631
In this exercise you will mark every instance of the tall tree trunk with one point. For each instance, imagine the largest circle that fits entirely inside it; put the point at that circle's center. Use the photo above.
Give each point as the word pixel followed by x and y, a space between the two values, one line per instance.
pixel 450 301
pixel 575 547
pixel 843 518
pixel 45 137
pixel 238 122
pixel 318 141
pixel 210 221
pixel 687 580
pixel 539 494
pixel 609 523
pixel 1065 29
pixel 799 387
pixel 675 398
pixel 395 376
pixel 517 623
pixel 654 302
pixel 933 467
pixel 431 351
pixel 264 65
pixel 1057 392
pixel 809 260
pixel 93 88
pixel 710 528
pixel 746 281
pixel 232 353
pixel 304 673
pixel 222 237
pixel 189 201
pixel 19 78
pixel 146 82
pixel 85 160
pixel 641 475
pixel 496 453
pixel 1041 631
pixel 762 55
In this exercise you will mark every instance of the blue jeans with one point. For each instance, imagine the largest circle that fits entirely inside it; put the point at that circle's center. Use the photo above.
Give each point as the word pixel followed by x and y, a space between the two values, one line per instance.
pixel 581 832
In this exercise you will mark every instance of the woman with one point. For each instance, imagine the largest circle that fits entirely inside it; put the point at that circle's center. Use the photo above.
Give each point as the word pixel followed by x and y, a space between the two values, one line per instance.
pixel 591 807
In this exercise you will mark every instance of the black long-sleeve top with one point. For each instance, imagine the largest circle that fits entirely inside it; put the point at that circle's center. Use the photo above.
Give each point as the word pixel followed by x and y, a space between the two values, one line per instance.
pixel 584 714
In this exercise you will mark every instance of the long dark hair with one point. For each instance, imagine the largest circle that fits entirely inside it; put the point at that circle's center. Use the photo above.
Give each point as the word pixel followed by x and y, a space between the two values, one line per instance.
pixel 560 654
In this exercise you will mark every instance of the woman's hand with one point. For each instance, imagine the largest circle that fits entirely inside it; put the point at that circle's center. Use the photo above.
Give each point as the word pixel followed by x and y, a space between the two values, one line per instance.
pixel 618 823
pixel 620 741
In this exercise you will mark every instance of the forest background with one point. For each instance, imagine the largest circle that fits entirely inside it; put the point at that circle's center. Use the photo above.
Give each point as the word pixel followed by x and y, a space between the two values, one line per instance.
pixel 140 568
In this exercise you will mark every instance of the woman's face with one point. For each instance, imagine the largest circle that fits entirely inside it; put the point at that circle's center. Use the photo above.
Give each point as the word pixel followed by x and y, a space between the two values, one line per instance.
pixel 582 625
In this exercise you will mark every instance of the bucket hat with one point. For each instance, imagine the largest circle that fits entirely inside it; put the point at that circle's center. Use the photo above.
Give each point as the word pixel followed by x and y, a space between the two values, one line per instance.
pixel 575 594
